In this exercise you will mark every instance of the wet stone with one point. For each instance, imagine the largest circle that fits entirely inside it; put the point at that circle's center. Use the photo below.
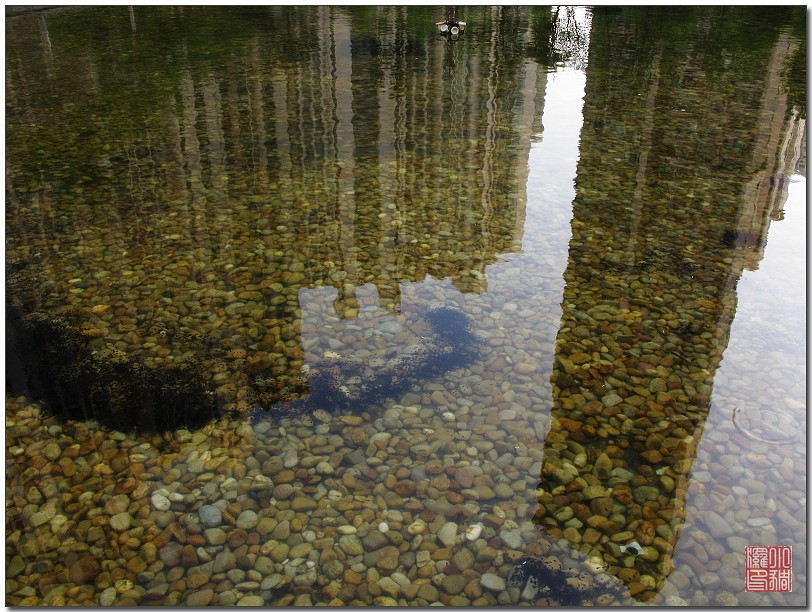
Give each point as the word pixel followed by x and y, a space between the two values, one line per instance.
pixel 224 561
pixel 248 519
pixel 171 554
pixel 83 570
pixel 447 534
pixel 492 582
pixel 512 538
pixel 300 504
pixel 718 527
pixel 351 545
pixel 199 599
pixel 463 559
pixel 646 493
pixel 454 584
pixel 210 516
pixel 215 536
pixel 374 540
pixel 428 592
pixel 387 558
pixel 160 502
pixel 117 504
pixel 299 551
pixel 121 521
pixel 280 552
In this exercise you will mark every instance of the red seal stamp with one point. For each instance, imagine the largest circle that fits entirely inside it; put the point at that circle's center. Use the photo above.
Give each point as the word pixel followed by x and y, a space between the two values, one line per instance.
pixel 768 569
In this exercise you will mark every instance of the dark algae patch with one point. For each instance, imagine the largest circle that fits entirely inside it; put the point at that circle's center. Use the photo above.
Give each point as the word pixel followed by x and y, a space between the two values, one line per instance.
pixel 548 579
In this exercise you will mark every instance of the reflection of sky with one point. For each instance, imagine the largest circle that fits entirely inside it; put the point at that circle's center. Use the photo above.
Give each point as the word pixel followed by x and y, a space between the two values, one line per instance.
pixel 774 294
pixel 769 328
pixel 762 377
pixel 553 164
pixel 759 390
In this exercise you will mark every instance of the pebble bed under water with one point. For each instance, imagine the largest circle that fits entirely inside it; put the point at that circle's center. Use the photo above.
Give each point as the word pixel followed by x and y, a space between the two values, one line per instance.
pixel 537 393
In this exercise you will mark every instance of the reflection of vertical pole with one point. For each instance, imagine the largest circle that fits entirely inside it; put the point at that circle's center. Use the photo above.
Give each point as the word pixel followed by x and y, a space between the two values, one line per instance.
pixel 526 119
pixel 345 142
pixel 213 112
pixel 191 149
pixel 387 166
pixel 326 84
pixel 491 124
pixel 256 122
pixel 46 46
pixel 132 18
pixel 645 149
pixel 280 101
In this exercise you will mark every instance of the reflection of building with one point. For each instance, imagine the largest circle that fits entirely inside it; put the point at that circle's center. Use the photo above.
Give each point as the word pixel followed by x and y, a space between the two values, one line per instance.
pixel 202 202
pixel 674 197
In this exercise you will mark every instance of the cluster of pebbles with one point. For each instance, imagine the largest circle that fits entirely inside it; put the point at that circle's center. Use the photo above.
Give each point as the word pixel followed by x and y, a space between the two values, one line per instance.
pixel 578 459
pixel 466 491
pixel 575 460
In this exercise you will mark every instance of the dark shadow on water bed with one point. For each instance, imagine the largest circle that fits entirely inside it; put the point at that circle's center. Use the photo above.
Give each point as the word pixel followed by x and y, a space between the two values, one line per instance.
pixel 346 386
pixel 51 360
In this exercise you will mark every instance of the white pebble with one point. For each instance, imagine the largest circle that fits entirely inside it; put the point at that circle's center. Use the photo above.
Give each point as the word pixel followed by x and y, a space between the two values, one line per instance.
pixel 383 527
pixel 472 532
pixel 159 502
pixel 449 416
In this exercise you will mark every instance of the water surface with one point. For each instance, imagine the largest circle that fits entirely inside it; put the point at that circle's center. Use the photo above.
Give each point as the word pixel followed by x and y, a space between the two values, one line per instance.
pixel 313 305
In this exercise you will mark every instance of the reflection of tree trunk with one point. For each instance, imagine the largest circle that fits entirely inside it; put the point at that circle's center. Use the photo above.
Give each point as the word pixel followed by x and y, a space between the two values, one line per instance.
pixel 325 71
pixel 191 148
pixel 193 165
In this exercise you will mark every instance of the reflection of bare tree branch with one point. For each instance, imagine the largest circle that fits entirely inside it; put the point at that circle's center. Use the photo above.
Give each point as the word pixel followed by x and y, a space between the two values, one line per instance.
pixel 562 37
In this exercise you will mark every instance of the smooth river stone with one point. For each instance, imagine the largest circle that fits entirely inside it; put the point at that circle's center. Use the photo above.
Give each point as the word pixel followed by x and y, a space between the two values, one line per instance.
pixel 210 516
pixel 121 521
pixel 492 582
pixel 447 534
pixel 351 545
pixel 717 526
pixel 299 504
pixel 200 599
pixel 248 519
pixel 160 502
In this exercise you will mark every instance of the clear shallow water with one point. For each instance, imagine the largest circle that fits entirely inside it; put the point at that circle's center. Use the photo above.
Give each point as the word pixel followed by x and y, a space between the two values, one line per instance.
pixel 285 200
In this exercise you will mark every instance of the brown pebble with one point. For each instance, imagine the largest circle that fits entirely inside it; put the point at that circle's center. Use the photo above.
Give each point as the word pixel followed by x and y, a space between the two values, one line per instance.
pixel 189 556
pixel 237 538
